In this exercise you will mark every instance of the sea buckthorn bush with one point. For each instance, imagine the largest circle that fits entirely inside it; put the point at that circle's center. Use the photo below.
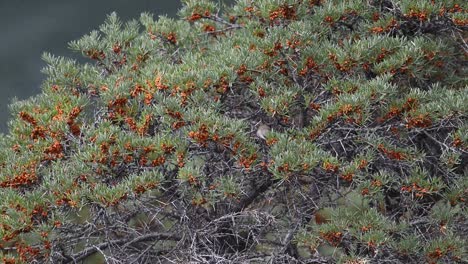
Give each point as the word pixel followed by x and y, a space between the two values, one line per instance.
pixel 149 152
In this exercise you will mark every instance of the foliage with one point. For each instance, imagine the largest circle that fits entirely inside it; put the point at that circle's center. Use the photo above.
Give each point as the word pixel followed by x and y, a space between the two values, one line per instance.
pixel 149 152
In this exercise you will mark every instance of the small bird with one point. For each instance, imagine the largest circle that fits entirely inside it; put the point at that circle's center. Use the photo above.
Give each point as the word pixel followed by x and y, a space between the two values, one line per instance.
pixel 262 131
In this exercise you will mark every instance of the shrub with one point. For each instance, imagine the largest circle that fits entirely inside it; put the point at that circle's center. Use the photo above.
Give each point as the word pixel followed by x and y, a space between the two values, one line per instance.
pixel 150 152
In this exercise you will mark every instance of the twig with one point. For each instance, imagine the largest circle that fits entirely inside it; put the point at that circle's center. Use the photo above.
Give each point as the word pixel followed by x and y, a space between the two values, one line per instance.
pixel 101 246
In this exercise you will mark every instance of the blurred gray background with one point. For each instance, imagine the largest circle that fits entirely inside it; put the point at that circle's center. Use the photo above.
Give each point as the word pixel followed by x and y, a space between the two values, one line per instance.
pixel 30 27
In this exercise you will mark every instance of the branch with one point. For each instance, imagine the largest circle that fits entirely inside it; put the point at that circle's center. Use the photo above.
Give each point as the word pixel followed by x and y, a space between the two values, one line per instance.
pixel 126 243
pixel 244 203
pixel 222 21
pixel 443 144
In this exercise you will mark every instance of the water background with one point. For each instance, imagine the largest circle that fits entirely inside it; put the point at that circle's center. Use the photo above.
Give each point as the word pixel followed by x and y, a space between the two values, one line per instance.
pixel 30 27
